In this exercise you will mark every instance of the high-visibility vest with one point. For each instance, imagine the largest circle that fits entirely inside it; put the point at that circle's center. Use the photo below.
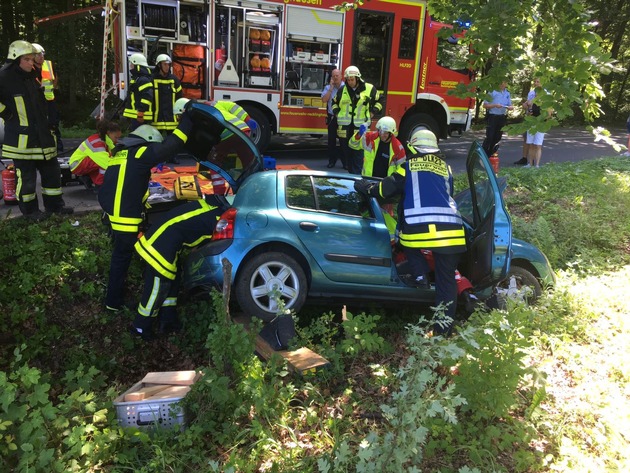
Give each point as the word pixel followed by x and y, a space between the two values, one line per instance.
pixel 48 80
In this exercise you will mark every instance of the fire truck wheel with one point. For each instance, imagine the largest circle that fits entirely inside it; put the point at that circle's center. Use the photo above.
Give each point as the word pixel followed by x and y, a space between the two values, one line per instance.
pixel 261 136
pixel 415 122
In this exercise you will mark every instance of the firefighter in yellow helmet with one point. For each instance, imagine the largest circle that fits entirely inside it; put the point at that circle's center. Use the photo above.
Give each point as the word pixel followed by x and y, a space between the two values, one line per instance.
pixel 354 106
pixel 28 139
pixel 428 219
pixel 139 101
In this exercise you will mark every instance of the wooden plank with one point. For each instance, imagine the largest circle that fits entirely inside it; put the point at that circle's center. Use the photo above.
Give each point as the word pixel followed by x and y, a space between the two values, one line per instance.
pixel 144 392
pixel 170 392
pixel 179 378
pixel 302 360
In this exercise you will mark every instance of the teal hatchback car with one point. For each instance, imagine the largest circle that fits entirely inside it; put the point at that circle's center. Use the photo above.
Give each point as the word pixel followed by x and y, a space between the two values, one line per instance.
pixel 300 236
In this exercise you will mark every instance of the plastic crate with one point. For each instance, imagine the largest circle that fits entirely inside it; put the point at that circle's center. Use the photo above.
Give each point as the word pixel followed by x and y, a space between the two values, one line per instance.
pixel 149 413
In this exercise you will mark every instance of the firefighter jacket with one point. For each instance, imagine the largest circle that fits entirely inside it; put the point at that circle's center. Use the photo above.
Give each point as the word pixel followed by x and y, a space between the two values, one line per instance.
pixel 427 213
pixel 370 142
pixel 128 173
pixel 354 107
pixel 166 90
pixel 95 149
pixel 23 107
pixel 234 114
pixel 48 80
pixel 140 100
pixel 187 225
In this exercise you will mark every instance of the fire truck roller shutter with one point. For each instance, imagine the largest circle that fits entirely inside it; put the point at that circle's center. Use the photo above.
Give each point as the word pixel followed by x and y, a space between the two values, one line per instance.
pixel 418 121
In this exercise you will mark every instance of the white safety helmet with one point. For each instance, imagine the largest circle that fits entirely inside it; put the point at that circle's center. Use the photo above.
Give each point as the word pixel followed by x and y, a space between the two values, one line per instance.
pixel 352 71
pixel 40 49
pixel 138 59
pixel 178 106
pixel 163 58
pixel 424 140
pixel 20 48
pixel 148 133
pixel 387 125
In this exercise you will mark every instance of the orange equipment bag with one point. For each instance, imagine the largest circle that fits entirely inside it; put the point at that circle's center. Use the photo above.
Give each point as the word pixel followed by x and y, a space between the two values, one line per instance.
pixel 188 66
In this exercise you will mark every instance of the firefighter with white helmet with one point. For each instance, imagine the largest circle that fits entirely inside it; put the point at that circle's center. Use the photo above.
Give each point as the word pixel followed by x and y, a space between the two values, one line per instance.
pixel 28 139
pixel 48 81
pixel 354 106
pixel 124 191
pixel 167 89
pixel 179 107
pixel 428 219
pixel 139 101
pixel 383 153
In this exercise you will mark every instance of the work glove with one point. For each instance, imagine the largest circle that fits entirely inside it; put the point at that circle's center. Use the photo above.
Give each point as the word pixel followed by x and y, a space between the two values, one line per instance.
pixel 362 130
pixel 251 124
pixel 363 186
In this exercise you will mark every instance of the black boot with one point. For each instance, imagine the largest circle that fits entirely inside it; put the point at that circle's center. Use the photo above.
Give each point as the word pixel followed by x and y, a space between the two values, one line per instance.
pixel 169 322
pixel 142 327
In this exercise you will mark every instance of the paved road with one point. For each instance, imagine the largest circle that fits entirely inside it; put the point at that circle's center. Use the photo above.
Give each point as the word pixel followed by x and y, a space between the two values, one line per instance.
pixel 561 145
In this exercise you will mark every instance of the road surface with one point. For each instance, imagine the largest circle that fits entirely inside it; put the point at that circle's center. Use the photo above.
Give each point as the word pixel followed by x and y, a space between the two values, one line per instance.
pixel 561 145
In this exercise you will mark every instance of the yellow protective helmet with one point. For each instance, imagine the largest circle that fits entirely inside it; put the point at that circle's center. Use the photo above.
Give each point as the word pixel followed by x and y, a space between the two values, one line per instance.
pixel 387 125
pixel 352 71
pixel 148 133
pixel 20 48
pixel 138 59
pixel 423 140
pixel 178 106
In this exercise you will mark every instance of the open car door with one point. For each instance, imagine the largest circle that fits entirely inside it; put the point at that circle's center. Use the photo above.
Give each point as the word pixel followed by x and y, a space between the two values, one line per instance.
pixel 489 232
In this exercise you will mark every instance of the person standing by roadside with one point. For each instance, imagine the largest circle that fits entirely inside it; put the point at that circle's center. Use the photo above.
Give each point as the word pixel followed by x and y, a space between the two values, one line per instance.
pixel 535 140
pixel 428 219
pixel 139 102
pixel 28 139
pixel 328 95
pixel 527 108
pixel 48 80
pixel 496 115
pixel 354 105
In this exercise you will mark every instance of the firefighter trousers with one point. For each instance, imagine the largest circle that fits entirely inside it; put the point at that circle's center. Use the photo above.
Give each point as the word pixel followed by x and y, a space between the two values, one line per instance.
pixel 26 190
pixel 122 252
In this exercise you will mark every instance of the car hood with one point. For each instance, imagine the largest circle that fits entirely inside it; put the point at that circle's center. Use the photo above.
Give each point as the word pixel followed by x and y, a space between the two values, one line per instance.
pixel 219 145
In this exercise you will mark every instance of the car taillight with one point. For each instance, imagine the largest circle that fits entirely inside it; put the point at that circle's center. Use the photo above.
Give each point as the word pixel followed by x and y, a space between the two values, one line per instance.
pixel 225 225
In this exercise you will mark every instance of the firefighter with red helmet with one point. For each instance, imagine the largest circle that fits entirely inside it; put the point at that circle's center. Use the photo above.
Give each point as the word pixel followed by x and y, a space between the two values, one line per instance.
pixel 28 139
pixel 354 106
pixel 187 225
pixel 428 219
pixel 139 103
pixel 383 153
pixel 123 193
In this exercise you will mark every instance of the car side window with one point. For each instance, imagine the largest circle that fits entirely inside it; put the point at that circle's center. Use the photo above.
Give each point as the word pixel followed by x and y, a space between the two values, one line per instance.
pixel 483 191
pixel 324 194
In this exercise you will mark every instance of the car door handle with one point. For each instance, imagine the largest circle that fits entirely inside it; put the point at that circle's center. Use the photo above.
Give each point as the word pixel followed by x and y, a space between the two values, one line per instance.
pixel 309 226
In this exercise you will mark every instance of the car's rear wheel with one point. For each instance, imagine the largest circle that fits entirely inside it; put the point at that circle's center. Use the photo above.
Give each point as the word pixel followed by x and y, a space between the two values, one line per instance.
pixel 519 284
pixel 268 280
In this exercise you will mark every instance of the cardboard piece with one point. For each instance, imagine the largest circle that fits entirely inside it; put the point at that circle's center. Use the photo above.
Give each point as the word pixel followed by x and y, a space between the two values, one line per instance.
pixel 144 392
pixel 177 378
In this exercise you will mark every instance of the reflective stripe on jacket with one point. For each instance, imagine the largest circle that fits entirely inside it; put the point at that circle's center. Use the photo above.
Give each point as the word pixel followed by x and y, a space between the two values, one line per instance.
pixel 94 148
pixel 370 142
pixel 354 107
pixel 185 226
pixel 166 90
pixel 140 95
pixel 234 114
pixel 48 80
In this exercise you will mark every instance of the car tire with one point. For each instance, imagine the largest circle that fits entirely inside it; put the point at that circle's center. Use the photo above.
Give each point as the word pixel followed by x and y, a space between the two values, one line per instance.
pixel 261 136
pixel 519 284
pixel 264 273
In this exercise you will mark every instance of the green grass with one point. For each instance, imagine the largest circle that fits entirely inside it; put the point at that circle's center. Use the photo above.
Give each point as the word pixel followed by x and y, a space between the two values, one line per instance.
pixel 530 389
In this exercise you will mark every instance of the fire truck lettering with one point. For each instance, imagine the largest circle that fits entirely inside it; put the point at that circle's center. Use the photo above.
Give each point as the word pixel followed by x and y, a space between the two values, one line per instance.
pixel 423 80
pixel 405 65
pixel 308 2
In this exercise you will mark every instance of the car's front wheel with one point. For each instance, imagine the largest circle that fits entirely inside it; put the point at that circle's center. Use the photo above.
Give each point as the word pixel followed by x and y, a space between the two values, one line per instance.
pixel 519 284
pixel 268 281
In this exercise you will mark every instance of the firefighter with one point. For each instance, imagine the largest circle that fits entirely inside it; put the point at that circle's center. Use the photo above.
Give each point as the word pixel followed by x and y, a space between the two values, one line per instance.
pixel 124 192
pixel 28 139
pixel 428 219
pixel 354 105
pixel 48 81
pixel 187 225
pixel 383 153
pixel 236 115
pixel 166 89
pixel 139 104
pixel 90 159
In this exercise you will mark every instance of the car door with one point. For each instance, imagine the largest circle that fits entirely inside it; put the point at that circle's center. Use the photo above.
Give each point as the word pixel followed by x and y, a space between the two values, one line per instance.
pixel 490 235
pixel 339 227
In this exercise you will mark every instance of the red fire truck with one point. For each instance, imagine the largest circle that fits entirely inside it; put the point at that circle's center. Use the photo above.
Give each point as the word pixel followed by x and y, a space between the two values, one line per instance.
pixel 274 57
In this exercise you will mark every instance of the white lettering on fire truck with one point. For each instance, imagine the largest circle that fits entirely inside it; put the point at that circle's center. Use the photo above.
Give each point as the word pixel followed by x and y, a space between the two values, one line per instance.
pixel 423 79
pixel 307 2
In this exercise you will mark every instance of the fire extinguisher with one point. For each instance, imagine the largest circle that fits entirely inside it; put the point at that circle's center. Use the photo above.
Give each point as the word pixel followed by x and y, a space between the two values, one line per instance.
pixel 8 185
pixel 494 162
